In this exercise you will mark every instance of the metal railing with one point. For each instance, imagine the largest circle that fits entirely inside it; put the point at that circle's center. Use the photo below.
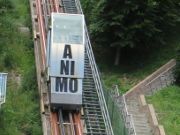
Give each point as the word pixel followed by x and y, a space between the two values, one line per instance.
pixel 127 118
pixel 114 107
pixel 96 77
pixel 79 8
pixel 99 88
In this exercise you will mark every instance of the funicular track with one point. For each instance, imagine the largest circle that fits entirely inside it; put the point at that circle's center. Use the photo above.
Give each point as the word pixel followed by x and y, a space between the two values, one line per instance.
pixel 93 118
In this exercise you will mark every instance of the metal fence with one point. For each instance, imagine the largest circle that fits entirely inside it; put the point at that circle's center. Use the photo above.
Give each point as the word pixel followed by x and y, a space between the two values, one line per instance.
pixel 115 107
pixel 116 122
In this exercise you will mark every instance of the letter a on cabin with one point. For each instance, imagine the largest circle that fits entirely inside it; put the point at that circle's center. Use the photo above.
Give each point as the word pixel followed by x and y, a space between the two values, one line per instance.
pixel 67 52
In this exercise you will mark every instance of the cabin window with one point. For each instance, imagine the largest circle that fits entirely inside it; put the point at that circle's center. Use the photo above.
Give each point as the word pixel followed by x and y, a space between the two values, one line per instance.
pixel 68 29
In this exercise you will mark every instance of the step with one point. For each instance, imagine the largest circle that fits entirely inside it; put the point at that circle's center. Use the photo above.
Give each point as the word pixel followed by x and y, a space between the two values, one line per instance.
pixel 143 131
pixel 94 99
pixel 141 124
pixel 133 108
pixel 132 104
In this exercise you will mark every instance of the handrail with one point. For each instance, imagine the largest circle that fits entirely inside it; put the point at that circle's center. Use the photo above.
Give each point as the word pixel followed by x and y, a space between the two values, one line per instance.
pixel 128 118
pixel 78 5
pixel 131 120
pixel 99 90
pixel 162 74
pixel 97 79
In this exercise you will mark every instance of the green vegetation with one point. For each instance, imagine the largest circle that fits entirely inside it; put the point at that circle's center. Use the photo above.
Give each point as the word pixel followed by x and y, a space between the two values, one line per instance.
pixel 167 106
pixel 117 120
pixel 20 114
pixel 133 70
pixel 177 71
pixel 137 36
pixel 122 25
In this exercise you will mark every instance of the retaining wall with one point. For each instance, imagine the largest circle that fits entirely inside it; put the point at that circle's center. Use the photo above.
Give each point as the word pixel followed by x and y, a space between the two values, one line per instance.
pixel 149 110
pixel 157 80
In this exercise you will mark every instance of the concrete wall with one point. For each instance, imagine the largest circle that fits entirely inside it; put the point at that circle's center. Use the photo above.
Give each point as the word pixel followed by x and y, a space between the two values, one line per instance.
pixel 157 80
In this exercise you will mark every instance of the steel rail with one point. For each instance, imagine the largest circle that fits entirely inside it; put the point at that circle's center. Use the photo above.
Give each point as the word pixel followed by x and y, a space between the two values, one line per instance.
pixel 42 31
pixel 39 68
pixel 77 121
pixel 71 124
pixel 42 10
pixel 48 7
pixel 56 6
pixel 50 2
pixel 54 122
pixel 46 15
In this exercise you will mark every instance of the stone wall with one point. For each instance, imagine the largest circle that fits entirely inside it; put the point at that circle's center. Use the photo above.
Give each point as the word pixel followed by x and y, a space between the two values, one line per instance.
pixel 157 80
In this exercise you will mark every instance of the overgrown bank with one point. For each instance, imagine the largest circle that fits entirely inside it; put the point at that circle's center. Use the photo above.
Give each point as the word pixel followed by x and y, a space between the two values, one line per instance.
pixel 146 34
pixel 167 107
pixel 130 72
pixel 20 114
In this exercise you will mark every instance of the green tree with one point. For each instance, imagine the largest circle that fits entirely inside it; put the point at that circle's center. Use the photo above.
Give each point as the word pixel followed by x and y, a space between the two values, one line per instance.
pixel 5 4
pixel 126 23
pixel 177 71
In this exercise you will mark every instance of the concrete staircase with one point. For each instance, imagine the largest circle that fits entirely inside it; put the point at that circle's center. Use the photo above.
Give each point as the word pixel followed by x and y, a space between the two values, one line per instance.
pixel 141 124
pixel 144 117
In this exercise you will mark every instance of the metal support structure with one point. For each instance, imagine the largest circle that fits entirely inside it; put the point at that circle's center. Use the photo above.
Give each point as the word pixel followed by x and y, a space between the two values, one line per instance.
pixel 3 83
pixel 128 119
pixel 61 121
pixel 67 123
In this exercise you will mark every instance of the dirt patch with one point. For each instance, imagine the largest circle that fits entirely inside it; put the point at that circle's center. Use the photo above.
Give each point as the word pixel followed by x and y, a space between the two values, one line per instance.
pixel 15 77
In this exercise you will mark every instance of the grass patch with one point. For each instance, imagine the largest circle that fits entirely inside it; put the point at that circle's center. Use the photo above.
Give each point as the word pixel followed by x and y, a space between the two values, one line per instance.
pixel 20 114
pixel 167 107
pixel 133 70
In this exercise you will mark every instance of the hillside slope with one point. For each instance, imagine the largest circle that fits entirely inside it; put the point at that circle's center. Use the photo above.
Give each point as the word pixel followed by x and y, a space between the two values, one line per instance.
pixel 20 114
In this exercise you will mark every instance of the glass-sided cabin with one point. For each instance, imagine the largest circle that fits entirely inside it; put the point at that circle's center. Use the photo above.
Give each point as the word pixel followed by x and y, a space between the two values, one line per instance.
pixel 3 81
pixel 68 28
pixel 65 59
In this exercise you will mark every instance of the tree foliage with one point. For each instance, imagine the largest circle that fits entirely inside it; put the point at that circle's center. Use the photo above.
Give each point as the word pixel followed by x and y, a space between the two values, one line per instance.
pixel 177 71
pixel 127 23
pixel 131 23
pixel 5 5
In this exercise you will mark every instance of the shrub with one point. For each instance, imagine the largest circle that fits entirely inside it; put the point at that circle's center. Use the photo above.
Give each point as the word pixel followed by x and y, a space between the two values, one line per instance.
pixel 177 71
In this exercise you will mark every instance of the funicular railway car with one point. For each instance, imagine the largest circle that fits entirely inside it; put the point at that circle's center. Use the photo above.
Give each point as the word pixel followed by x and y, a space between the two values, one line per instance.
pixel 65 60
